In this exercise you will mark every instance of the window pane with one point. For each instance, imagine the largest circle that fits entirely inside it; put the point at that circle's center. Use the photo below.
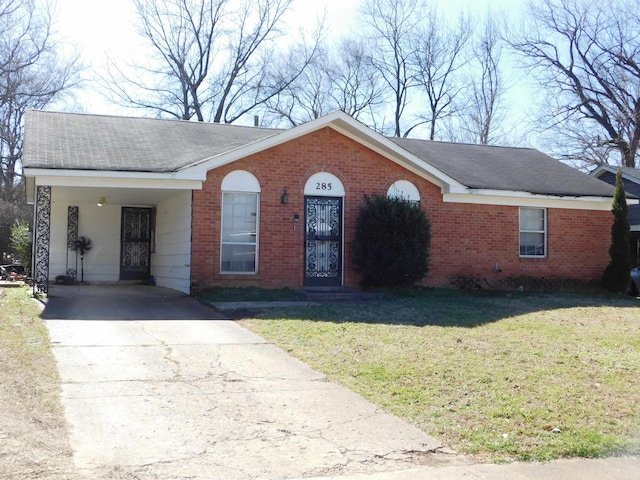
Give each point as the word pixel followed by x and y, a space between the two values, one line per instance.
pixel 532 219
pixel 239 217
pixel 239 258
pixel 531 243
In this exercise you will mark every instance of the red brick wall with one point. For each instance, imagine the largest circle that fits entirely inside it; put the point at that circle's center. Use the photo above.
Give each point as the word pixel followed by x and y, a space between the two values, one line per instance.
pixel 466 239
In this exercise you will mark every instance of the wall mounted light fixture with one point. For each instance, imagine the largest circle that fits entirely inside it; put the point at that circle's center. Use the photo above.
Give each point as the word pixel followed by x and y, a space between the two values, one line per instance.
pixel 102 201
pixel 284 198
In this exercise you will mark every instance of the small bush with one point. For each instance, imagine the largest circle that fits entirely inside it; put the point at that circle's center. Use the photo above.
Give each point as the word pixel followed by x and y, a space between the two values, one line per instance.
pixel 391 242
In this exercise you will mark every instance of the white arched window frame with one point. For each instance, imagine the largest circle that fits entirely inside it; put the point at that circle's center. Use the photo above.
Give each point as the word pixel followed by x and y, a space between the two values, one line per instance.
pixel 240 223
pixel 405 190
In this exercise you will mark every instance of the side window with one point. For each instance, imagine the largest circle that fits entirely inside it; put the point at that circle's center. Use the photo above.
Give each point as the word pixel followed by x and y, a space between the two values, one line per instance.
pixel 405 190
pixel 533 232
pixel 240 223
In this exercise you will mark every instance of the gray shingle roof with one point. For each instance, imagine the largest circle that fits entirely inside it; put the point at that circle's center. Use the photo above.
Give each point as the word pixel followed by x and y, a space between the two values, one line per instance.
pixel 95 142
pixel 505 168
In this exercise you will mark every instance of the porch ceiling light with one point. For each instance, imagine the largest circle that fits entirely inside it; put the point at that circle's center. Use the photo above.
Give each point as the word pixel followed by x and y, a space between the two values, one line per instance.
pixel 102 201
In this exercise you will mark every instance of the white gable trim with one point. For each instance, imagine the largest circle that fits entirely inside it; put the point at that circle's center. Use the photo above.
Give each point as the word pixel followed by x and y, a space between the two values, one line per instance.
pixel 347 126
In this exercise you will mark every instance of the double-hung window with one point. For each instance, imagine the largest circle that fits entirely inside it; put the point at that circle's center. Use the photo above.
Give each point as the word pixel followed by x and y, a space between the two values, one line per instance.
pixel 240 223
pixel 533 232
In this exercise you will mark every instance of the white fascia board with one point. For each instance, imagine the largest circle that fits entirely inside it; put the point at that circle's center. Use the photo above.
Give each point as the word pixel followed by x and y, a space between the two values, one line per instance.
pixel 347 126
pixel 70 178
pixel 635 228
pixel 525 199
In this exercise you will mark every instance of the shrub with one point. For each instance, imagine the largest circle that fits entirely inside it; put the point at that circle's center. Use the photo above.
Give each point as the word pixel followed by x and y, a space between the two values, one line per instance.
pixel 616 277
pixel 21 244
pixel 391 242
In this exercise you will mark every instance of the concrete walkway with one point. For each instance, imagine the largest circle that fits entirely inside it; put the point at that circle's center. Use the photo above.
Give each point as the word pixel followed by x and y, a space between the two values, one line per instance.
pixel 155 386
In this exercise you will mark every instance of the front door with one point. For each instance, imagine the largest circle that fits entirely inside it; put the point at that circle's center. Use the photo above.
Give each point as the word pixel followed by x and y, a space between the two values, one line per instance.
pixel 323 241
pixel 135 250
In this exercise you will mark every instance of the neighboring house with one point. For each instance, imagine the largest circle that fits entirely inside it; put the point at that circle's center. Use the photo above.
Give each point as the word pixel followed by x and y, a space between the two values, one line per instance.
pixel 631 182
pixel 189 205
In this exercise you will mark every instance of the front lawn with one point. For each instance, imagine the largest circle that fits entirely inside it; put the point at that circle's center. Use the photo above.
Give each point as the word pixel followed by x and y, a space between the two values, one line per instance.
pixel 515 377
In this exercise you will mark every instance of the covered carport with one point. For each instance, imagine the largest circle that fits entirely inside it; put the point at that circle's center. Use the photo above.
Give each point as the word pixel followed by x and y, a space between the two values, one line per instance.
pixel 136 228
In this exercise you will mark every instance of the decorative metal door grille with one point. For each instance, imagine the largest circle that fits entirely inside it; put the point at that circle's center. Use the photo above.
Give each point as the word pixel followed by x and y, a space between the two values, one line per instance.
pixel 135 251
pixel 323 241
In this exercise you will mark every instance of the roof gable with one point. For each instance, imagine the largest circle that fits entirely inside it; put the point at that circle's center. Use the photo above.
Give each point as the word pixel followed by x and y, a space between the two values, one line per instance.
pixel 628 173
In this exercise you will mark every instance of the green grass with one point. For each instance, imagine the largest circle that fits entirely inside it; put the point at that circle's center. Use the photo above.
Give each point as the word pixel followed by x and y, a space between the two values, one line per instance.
pixel 519 377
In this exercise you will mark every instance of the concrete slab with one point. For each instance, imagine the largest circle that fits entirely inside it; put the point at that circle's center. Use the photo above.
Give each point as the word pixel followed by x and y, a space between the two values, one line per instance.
pixel 158 387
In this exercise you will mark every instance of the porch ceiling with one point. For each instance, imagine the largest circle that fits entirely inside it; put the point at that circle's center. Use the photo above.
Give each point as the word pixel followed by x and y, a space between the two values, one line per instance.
pixel 113 196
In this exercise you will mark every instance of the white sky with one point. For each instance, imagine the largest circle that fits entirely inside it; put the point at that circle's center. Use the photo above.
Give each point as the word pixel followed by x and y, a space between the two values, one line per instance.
pixel 98 27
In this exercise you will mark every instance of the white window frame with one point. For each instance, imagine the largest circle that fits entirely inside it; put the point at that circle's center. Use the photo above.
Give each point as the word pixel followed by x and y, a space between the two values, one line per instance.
pixel 240 182
pixel 523 230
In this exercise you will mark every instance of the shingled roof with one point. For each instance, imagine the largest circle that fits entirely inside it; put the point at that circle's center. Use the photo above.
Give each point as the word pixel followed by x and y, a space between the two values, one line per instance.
pixel 93 142
pixel 504 168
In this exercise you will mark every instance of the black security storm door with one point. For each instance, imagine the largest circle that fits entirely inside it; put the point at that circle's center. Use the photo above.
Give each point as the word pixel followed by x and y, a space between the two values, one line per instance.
pixel 323 241
pixel 135 251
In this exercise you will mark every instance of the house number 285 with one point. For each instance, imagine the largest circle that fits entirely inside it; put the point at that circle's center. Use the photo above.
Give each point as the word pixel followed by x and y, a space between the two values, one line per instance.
pixel 323 186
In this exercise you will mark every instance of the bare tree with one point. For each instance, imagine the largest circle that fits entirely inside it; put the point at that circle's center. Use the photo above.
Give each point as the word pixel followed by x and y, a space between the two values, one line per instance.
pixel 438 59
pixel 213 59
pixel 392 27
pixel 585 55
pixel 340 78
pixel 483 111
pixel 355 84
pixel 305 99
pixel 32 75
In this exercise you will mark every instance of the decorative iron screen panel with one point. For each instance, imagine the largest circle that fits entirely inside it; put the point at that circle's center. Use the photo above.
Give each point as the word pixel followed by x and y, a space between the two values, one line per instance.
pixel 323 241
pixel 135 251
pixel 72 237
pixel 42 237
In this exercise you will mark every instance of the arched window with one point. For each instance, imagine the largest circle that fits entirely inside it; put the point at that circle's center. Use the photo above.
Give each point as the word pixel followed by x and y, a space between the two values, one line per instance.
pixel 240 223
pixel 405 190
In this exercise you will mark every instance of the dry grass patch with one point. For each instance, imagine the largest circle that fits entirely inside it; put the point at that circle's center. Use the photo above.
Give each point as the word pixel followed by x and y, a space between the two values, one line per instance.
pixel 33 437
pixel 522 377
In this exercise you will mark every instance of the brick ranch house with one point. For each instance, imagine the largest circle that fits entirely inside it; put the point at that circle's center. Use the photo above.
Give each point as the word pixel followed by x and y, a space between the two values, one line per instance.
pixel 189 205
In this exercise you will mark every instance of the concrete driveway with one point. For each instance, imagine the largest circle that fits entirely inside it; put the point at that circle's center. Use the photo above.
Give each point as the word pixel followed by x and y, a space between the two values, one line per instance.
pixel 156 386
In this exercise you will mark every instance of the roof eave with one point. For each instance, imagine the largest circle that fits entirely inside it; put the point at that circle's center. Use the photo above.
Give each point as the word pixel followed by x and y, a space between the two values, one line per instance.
pixel 524 199
pixel 110 178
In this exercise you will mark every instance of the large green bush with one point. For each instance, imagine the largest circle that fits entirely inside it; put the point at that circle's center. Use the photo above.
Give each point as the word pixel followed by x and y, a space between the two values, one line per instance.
pixel 616 277
pixel 391 242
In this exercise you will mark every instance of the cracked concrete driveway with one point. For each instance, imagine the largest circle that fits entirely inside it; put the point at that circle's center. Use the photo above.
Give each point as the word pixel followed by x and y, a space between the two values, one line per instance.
pixel 158 386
